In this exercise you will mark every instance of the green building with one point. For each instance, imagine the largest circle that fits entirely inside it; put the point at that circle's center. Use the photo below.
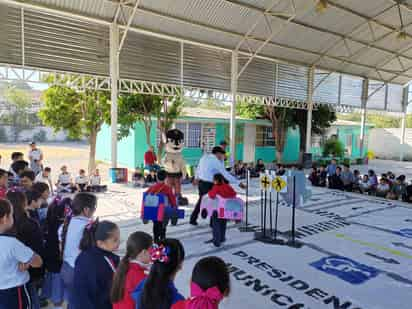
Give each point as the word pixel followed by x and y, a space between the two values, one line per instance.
pixel 204 129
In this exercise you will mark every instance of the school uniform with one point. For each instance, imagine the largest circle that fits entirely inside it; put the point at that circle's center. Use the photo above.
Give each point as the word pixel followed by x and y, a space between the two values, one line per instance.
pixel 93 276
pixel 95 184
pixel 53 288
pixel 219 225
pixel 47 180
pixel 14 284
pixel 135 275
pixel 82 182
pixel 159 227
pixel 65 183
pixel 35 163
pixel 71 252
pixel 175 296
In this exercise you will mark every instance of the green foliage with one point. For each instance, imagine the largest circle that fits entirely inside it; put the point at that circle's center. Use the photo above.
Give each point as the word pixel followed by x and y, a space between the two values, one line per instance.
pixel 377 120
pixel 40 136
pixel 80 113
pixel 322 119
pixel 18 102
pixel 284 118
pixel 250 111
pixel 137 107
pixel 333 147
pixel 166 116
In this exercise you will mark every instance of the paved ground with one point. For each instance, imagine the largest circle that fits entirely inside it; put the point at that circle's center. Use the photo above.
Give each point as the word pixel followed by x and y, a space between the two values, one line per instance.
pixel 356 253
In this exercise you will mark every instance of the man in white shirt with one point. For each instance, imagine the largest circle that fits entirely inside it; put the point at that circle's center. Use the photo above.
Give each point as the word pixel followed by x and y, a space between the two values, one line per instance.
pixel 35 157
pixel 209 165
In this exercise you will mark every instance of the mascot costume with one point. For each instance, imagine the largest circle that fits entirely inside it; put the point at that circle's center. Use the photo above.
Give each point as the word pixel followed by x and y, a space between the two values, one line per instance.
pixel 174 164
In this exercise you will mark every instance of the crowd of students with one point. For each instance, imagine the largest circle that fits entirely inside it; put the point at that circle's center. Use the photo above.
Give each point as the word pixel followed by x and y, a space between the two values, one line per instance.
pixel 55 252
pixel 388 185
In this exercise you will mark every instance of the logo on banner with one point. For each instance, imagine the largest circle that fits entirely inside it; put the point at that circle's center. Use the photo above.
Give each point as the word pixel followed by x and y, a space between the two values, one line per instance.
pixel 346 269
pixel 405 233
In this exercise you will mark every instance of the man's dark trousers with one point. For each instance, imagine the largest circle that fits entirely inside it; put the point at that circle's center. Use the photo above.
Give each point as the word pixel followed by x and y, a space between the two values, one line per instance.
pixel 204 188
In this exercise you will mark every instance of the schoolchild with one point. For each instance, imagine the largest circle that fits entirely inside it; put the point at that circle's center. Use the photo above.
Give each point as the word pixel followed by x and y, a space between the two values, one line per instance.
pixel 222 188
pixel 210 283
pixel 96 266
pixel 133 268
pixel 53 287
pixel 27 229
pixel 15 259
pixel 158 290
pixel 159 227
pixel 70 234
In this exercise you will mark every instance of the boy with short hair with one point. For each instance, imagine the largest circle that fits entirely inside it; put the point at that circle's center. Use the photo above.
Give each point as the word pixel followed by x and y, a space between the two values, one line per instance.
pixel 159 227
pixel 64 182
pixel 27 179
pixel 45 177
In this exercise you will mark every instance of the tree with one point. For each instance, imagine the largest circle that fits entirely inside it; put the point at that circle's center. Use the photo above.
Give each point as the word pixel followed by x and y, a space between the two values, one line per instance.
pixel 166 116
pixel 80 113
pixel 137 107
pixel 280 118
pixel 18 102
pixel 322 118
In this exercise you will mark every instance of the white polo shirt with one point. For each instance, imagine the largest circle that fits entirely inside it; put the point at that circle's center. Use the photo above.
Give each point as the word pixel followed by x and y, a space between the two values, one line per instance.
pixel 12 253
pixel 41 178
pixel 35 154
pixel 65 178
pixel 95 180
pixel 81 180
pixel 73 238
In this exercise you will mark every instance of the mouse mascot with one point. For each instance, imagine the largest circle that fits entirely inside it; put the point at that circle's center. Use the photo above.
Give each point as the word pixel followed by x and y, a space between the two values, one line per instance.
pixel 174 164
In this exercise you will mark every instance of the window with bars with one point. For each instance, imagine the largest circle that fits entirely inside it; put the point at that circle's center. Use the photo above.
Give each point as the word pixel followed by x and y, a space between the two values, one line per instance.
pixel 264 136
pixel 194 135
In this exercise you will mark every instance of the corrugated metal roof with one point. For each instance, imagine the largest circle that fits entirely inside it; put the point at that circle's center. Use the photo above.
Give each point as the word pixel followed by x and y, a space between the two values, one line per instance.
pixel 350 36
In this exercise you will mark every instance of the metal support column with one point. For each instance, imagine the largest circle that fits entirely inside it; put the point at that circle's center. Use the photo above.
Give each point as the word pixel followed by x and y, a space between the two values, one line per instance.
pixel 311 80
pixel 364 102
pixel 403 123
pixel 233 87
pixel 114 78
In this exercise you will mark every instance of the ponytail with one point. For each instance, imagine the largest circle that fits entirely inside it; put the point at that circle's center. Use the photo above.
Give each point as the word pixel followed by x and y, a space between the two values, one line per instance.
pixel 136 243
pixel 96 231
pixel 156 293
pixel 80 202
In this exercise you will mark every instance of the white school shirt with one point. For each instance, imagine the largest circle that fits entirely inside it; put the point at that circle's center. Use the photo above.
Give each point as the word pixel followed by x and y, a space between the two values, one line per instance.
pixel 81 180
pixel 73 238
pixel 12 253
pixel 209 165
pixel 35 154
pixel 95 180
pixel 64 178
pixel 40 178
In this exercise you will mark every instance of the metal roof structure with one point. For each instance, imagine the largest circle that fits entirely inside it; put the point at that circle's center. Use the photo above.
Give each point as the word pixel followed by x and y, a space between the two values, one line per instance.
pixel 293 53
pixel 278 41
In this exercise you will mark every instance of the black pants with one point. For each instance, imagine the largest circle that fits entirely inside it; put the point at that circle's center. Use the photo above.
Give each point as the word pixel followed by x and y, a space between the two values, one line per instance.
pixel 159 231
pixel 219 229
pixel 204 188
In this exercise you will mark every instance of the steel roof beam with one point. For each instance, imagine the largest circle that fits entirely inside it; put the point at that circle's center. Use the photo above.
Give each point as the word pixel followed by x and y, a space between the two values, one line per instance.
pixel 106 22
pixel 342 37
